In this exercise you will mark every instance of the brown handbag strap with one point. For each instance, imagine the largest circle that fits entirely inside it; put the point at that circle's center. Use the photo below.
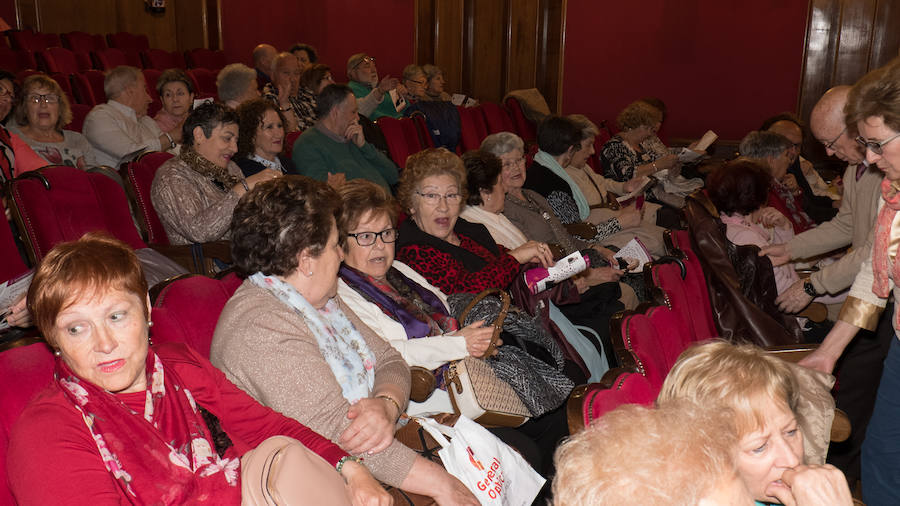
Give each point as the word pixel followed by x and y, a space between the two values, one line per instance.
pixel 498 323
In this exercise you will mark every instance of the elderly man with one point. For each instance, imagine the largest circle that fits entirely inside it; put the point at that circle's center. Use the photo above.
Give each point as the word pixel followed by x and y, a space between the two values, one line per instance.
pixel 121 127
pixel 263 55
pixel 236 84
pixel 284 90
pixel 336 145
pixel 820 209
pixel 374 96
pixel 860 365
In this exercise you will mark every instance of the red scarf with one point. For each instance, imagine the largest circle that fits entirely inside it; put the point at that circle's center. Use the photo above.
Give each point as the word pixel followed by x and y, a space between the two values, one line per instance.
pixel 881 267
pixel 164 455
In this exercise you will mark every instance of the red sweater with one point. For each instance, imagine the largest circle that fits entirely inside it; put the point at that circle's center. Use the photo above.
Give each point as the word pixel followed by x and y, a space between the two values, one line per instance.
pixel 53 459
pixel 447 273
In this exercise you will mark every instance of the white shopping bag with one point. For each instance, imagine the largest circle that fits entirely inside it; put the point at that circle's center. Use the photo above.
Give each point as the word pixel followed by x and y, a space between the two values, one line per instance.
pixel 493 472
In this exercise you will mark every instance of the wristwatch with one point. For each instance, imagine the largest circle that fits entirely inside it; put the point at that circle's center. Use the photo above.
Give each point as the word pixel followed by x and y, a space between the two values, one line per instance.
pixel 809 288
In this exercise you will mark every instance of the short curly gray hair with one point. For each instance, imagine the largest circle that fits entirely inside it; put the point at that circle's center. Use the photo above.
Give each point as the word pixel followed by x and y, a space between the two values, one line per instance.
pixel 500 143
pixel 232 80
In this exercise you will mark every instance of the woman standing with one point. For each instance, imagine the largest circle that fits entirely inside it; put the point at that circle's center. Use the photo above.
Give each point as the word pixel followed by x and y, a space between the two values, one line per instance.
pixel 873 108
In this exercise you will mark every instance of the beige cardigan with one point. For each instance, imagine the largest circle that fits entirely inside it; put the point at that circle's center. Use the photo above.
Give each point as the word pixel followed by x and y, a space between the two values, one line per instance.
pixel 267 350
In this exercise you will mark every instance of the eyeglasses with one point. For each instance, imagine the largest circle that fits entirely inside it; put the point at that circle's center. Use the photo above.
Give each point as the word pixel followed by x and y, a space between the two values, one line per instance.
pixel 5 92
pixel 433 199
pixel 830 144
pixel 508 164
pixel 368 238
pixel 420 83
pixel 47 99
pixel 367 59
pixel 875 147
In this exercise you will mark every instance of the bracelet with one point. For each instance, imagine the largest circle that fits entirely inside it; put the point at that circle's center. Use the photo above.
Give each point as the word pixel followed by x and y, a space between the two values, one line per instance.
pixel 171 141
pixel 395 403
pixel 345 459
pixel 654 166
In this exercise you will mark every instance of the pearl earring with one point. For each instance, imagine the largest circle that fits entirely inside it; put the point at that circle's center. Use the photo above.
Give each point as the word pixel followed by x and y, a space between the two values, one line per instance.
pixel 57 353
pixel 149 323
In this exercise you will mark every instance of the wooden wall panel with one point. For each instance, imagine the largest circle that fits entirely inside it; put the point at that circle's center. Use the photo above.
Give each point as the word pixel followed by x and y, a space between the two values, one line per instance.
pixel 886 39
pixel 424 36
pixel 855 42
pixel 191 24
pixel 522 44
pixel 551 52
pixel 62 16
pixel 485 74
pixel 449 27
pixel 159 28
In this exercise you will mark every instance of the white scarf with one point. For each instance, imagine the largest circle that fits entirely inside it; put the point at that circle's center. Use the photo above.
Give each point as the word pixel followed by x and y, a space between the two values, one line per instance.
pixel 276 165
pixel 502 230
pixel 343 347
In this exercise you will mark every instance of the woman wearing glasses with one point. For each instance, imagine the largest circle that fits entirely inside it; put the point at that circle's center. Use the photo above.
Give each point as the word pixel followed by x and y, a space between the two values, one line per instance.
pixel 40 116
pixel 873 108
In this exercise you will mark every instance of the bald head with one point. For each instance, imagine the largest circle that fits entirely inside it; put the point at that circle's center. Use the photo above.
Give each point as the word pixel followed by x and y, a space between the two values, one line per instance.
pixel 263 55
pixel 826 121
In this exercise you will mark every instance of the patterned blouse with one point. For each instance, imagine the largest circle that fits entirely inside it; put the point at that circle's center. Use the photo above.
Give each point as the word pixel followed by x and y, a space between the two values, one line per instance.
pixel 619 159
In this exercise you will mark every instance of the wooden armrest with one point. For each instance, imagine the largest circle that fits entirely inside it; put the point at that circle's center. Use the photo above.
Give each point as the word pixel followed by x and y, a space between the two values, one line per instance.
pixel 815 311
pixel 575 403
pixel 840 427
pixel 791 352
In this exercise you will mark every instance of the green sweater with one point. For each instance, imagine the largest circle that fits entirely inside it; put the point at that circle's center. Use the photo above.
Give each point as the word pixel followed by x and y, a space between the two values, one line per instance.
pixel 385 108
pixel 316 154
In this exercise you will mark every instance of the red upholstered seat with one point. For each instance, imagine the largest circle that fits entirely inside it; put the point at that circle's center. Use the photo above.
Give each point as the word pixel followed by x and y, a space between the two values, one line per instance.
pixel 497 118
pixel 108 59
pixel 187 310
pixel 637 343
pixel 12 265
pixel 59 59
pixel 88 87
pixel 151 76
pixel 599 140
pixel 79 112
pixel 524 127
pixel 626 388
pixel 289 141
pixel 24 371
pixel 205 81
pixel 425 139
pixel 17 60
pixel 33 41
pixel 690 307
pixel 398 146
pixel 60 203
pixel 206 58
pixel 63 80
pixel 83 41
pixel 128 40
pixel 162 60
pixel 473 128
pixel 138 176
pixel 695 288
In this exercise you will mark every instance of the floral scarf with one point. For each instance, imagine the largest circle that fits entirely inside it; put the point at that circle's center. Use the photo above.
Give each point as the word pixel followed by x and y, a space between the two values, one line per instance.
pixel 881 266
pixel 164 455
pixel 343 347
pixel 219 175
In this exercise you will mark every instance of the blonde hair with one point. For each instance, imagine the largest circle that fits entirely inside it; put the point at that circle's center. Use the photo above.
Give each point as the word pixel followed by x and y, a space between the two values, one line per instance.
pixel 673 455
pixel 637 114
pixel 741 377
pixel 427 163
pixel 43 81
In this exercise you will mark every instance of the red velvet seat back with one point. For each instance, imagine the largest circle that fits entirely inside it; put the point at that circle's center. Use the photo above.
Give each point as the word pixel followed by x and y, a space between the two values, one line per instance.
pixel 83 42
pixel 599 140
pixel 627 388
pixel 524 127
pixel 138 177
pixel 59 59
pixel 24 371
pixel 187 310
pixel 392 129
pixel 79 112
pixel 151 76
pixel 425 139
pixel 206 58
pixel 205 79
pixel 473 128
pixel 672 334
pixel 108 59
pixel 641 342
pixel 696 291
pixel 162 60
pixel 497 118
pixel 32 41
pixel 686 305
pixel 12 265
pixel 73 203
pixel 128 40
pixel 88 87
pixel 16 60
pixel 289 141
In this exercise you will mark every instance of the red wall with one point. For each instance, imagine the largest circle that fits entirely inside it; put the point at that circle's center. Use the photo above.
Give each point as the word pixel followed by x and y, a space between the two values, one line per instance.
pixel 723 65
pixel 383 29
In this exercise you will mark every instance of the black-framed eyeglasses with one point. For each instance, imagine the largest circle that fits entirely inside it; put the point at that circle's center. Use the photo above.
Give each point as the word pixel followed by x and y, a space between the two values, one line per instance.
pixel 367 59
pixel 388 235
pixel 830 144
pixel 5 92
pixel 875 147
pixel 51 98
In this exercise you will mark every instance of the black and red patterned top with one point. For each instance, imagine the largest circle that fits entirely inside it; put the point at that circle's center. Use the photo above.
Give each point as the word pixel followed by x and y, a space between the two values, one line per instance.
pixel 478 263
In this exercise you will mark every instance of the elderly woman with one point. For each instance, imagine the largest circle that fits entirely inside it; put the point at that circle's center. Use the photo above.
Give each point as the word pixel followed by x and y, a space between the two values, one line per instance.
pixel 306 55
pixel 413 82
pixel 40 116
pixel 291 343
pixel 284 88
pixel 195 193
pixel 261 139
pixel 313 80
pixel 873 108
pixel 176 91
pixel 124 422
pixel 18 156
pixel 413 316
pixel 434 84
pixel 764 394
pixel 774 152
pixel 623 156
pixel 235 84
pixel 739 190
